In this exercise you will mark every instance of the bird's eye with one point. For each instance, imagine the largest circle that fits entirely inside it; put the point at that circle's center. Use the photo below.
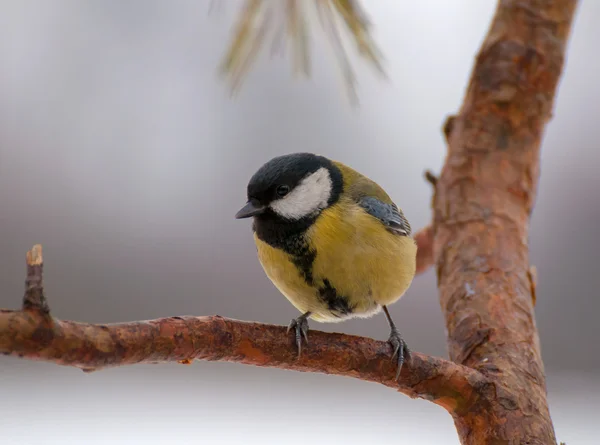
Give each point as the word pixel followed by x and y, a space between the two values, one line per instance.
pixel 283 190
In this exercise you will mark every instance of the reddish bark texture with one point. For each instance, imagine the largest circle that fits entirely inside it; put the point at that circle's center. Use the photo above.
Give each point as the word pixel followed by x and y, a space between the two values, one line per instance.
pixel 33 333
pixel 482 206
pixel 424 239
pixel 36 335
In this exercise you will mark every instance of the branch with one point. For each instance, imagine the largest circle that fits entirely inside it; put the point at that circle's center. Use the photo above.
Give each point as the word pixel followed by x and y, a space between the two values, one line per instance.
pixel 284 22
pixel 424 239
pixel 483 200
pixel 32 333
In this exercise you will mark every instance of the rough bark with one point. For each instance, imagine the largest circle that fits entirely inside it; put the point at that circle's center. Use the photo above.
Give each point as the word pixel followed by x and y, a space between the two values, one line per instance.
pixel 495 386
pixel 483 200
pixel 34 334
pixel 38 336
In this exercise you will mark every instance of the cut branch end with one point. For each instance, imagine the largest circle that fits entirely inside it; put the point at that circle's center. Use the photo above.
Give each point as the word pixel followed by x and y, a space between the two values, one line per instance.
pixel 34 298
pixel 34 256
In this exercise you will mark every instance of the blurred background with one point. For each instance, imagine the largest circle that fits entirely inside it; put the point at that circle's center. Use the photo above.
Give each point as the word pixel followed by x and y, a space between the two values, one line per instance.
pixel 124 154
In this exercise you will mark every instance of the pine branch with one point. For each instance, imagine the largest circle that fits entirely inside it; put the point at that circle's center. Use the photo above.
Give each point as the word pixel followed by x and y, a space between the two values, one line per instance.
pixel 287 21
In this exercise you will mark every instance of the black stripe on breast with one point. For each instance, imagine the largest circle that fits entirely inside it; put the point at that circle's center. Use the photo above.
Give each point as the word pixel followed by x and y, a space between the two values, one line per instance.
pixel 304 260
pixel 289 237
pixel 337 304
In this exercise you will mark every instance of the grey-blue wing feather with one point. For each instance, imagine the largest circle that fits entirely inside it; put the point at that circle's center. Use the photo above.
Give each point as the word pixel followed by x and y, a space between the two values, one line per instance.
pixel 389 214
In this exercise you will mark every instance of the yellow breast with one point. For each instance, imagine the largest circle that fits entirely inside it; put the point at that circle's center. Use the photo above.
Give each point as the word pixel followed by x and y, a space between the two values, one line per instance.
pixel 365 263
pixel 361 257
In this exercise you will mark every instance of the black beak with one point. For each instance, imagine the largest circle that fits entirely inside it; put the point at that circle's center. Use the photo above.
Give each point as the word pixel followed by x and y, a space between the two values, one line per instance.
pixel 252 208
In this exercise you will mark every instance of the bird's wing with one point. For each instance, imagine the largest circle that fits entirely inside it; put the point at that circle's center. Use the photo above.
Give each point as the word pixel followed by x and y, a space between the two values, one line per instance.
pixel 389 214
pixel 374 200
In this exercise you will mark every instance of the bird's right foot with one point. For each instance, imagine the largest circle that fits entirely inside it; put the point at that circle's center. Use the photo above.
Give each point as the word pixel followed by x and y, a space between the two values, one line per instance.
pixel 300 326
pixel 400 350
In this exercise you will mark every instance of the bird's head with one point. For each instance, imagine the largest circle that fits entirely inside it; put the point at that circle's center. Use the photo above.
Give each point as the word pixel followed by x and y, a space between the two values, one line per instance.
pixel 292 187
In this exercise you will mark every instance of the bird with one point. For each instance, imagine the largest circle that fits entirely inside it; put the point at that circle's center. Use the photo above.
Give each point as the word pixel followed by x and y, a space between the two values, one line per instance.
pixel 332 241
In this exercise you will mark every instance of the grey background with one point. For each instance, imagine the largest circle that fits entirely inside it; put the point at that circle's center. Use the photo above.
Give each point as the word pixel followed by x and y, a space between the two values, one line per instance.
pixel 122 152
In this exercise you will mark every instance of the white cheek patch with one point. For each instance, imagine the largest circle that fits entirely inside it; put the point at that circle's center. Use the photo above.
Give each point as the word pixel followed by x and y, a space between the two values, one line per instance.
pixel 308 197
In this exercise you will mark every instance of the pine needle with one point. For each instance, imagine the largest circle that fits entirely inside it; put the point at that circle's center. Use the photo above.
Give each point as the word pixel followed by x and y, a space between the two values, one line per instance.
pixel 287 19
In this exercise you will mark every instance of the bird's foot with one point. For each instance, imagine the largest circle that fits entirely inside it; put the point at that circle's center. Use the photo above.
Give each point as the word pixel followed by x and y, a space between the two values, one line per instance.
pixel 400 350
pixel 300 326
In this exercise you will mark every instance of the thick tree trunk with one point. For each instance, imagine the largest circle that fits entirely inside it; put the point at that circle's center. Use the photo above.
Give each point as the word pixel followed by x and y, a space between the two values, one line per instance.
pixel 482 206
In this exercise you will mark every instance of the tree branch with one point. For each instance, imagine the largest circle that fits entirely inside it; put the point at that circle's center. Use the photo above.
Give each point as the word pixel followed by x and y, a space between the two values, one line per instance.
pixel 32 333
pixel 424 239
pixel 483 201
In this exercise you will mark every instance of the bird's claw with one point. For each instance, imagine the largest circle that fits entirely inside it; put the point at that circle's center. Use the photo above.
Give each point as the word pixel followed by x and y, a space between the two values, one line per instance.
pixel 400 350
pixel 300 325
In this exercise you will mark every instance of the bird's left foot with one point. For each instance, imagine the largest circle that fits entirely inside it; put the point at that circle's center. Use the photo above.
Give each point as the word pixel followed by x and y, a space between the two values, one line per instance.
pixel 300 325
pixel 400 350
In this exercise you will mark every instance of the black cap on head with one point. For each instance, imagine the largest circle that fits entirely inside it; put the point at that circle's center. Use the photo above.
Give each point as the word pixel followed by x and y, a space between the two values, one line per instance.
pixel 287 170
pixel 282 174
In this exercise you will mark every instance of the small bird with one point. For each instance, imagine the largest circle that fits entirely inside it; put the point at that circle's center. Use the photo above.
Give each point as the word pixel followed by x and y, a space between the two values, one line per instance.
pixel 332 241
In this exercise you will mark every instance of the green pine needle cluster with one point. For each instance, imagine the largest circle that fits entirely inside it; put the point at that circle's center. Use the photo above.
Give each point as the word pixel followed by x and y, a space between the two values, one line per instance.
pixel 285 21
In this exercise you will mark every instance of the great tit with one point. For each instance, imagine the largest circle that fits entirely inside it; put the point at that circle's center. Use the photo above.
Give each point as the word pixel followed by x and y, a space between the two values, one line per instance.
pixel 332 242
